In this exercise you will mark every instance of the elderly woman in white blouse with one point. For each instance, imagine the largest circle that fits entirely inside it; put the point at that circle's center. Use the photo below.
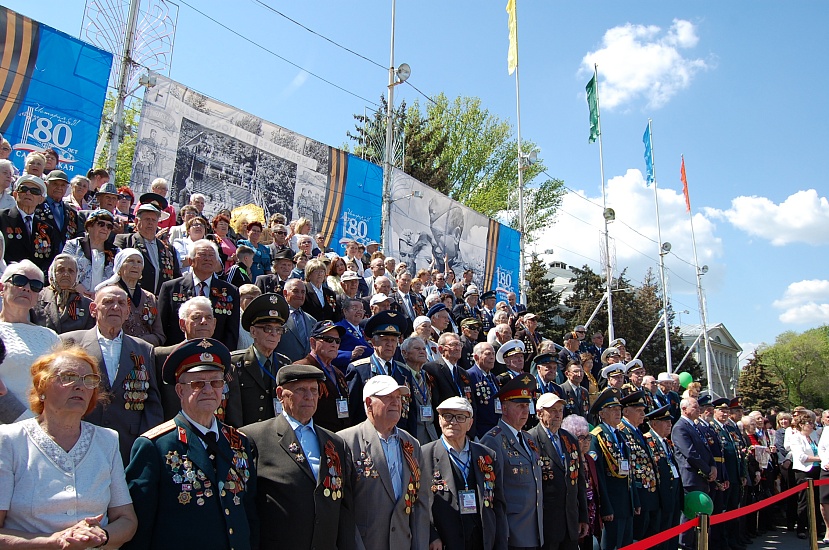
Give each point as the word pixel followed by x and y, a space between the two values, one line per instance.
pixel 69 471
pixel 805 463
pixel 823 453
pixel 94 254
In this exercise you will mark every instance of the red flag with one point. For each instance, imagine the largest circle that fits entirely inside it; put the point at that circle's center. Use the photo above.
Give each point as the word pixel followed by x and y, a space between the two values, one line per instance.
pixel 685 185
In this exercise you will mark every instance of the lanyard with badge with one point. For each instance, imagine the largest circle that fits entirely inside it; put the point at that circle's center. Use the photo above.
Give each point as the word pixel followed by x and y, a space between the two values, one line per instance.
pixel 426 414
pixel 376 368
pixel 466 498
pixel 496 401
pixel 341 402
pixel 277 405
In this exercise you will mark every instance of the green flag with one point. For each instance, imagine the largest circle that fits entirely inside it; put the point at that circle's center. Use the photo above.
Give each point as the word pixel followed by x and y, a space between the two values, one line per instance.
pixel 593 103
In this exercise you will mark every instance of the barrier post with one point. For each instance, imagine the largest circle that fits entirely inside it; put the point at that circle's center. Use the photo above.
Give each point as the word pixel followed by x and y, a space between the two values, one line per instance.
pixel 702 532
pixel 812 519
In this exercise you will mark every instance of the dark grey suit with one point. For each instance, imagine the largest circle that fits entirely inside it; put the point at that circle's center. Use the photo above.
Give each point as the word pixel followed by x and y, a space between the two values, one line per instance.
pixel 75 316
pixel 136 362
pixel 291 345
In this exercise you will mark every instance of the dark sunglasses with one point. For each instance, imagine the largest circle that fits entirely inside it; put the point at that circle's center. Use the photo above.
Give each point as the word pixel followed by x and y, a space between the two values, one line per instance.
pixel 21 280
pixel 330 339
pixel 281 232
pixel 32 190
pixel 102 223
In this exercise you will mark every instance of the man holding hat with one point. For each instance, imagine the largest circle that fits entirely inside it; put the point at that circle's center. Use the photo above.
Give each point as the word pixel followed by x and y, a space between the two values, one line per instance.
pixel 519 454
pixel 332 408
pixel 27 236
pixel 669 487
pixel 390 495
pixel 65 221
pixel 160 260
pixel 613 466
pixel 191 479
pixel 450 380
pixel 282 263
pixel 565 499
pixel 305 475
pixel 470 329
pixel 468 507
pixel 384 331
pixel 644 474
pixel 252 396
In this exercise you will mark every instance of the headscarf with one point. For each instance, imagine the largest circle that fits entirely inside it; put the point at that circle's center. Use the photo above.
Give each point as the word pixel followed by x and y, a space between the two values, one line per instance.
pixel 62 296
pixel 120 258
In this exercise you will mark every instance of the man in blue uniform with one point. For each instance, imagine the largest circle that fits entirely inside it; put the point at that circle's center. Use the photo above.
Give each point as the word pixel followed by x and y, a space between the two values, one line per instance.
pixel 670 484
pixel 191 479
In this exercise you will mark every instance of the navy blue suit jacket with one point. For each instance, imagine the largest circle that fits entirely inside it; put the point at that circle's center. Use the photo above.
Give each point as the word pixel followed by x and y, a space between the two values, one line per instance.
pixel 692 456
pixel 350 340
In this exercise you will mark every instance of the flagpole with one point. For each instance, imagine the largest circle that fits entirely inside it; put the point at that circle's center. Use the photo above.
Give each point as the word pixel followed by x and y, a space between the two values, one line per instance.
pixel 662 253
pixel 521 161
pixel 700 294
pixel 608 266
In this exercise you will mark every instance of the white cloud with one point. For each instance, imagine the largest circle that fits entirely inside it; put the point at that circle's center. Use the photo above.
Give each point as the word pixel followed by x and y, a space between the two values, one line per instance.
pixel 643 61
pixel 805 302
pixel 802 217
pixel 577 236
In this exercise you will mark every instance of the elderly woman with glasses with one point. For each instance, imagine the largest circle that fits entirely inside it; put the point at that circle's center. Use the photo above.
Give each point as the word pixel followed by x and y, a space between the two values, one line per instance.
pixel 68 471
pixel 60 306
pixel 144 321
pixel 196 229
pixel 580 429
pixel 25 341
pixel 94 254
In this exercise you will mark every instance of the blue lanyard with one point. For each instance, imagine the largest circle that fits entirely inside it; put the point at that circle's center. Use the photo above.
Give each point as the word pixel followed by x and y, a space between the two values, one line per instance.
pixel 333 380
pixel 266 371
pixel 491 383
pixel 463 467
pixel 543 385
pixel 557 447
pixel 424 390
pixel 378 369
pixel 458 386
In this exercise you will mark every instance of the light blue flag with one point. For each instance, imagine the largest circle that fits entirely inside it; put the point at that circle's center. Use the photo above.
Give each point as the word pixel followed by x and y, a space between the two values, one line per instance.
pixel 648 155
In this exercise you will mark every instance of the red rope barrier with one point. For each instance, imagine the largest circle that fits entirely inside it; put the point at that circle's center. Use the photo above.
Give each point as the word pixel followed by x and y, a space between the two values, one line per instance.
pixel 659 538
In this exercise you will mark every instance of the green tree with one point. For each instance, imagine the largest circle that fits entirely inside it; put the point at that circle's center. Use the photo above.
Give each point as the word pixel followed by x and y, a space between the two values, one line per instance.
pixel 800 362
pixel 759 389
pixel 542 299
pixel 126 149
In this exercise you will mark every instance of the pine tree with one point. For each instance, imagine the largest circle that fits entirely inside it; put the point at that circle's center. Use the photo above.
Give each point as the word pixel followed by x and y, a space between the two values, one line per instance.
pixel 759 389
pixel 542 299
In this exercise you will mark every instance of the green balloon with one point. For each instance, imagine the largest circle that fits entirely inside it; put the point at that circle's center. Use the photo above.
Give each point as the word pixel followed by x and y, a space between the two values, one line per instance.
pixel 685 379
pixel 697 502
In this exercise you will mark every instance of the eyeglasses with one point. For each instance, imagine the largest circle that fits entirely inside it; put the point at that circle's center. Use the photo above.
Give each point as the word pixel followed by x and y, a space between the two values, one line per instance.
pixel 280 232
pixel 32 190
pixel 90 381
pixel 124 198
pixel 329 339
pixel 585 437
pixel 198 385
pixel 20 281
pixel 456 418
pixel 580 332
pixel 102 223
pixel 197 225
pixel 272 330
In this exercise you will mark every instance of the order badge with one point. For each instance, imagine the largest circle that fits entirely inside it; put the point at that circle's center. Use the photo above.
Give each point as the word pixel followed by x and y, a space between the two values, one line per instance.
pixel 342 407
pixel 467 502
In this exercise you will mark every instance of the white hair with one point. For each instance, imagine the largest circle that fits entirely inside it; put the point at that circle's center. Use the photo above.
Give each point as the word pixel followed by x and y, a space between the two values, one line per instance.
pixel 191 304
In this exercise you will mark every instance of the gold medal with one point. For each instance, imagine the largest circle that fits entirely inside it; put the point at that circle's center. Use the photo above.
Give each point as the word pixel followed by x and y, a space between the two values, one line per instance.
pixel 327 493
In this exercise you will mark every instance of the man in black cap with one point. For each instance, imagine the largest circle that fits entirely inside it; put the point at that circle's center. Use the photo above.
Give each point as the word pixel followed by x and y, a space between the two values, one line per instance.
pixel 487 314
pixel 252 395
pixel 669 487
pixel 283 264
pixel 644 475
pixel 470 329
pixel 519 454
pixel 383 331
pixel 734 466
pixel 66 222
pixel 332 408
pixel 190 478
pixel 305 475
pixel 719 486
pixel 613 467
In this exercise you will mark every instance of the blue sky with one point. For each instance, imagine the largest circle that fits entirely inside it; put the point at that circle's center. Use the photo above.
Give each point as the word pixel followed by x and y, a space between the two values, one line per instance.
pixel 736 87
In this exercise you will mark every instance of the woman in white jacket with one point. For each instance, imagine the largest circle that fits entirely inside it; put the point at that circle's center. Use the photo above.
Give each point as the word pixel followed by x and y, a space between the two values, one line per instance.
pixel 805 462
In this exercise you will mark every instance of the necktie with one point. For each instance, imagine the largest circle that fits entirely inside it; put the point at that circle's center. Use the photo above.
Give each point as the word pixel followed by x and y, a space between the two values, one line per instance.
pixel 29 224
pixel 212 441
pixel 202 286
pixel 521 441
pixel 557 445
pixel 300 325
pixel 388 368
pixel 267 367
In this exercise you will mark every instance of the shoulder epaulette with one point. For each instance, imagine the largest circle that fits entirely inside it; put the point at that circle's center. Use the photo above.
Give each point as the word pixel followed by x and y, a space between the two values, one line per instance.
pixel 496 430
pixel 283 359
pixel 596 431
pixel 160 430
pixel 647 435
pixel 237 354
pixel 362 361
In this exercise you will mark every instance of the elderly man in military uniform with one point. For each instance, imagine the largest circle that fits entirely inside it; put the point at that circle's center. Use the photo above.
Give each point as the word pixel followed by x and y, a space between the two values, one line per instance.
pixel 670 484
pixel 391 496
pixel 191 479
pixel 734 466
pixel 614 373
pixel 468 506
pixel 644 474
pixel 613 467
pixel 252 389
pixel 635 371
pixel 305 474
pixel 332 407
pixel 565 499
pixel 720 485
pixel 384 331
pixel 518 451
pixel 486 388
pixel 470 329
pixel 509 354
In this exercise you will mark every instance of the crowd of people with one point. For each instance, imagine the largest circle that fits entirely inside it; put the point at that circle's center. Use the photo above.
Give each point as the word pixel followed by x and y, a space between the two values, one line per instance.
pixel 170 381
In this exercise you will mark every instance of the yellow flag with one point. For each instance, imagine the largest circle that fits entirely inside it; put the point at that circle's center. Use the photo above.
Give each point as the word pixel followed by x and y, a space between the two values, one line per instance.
pixel 512 54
